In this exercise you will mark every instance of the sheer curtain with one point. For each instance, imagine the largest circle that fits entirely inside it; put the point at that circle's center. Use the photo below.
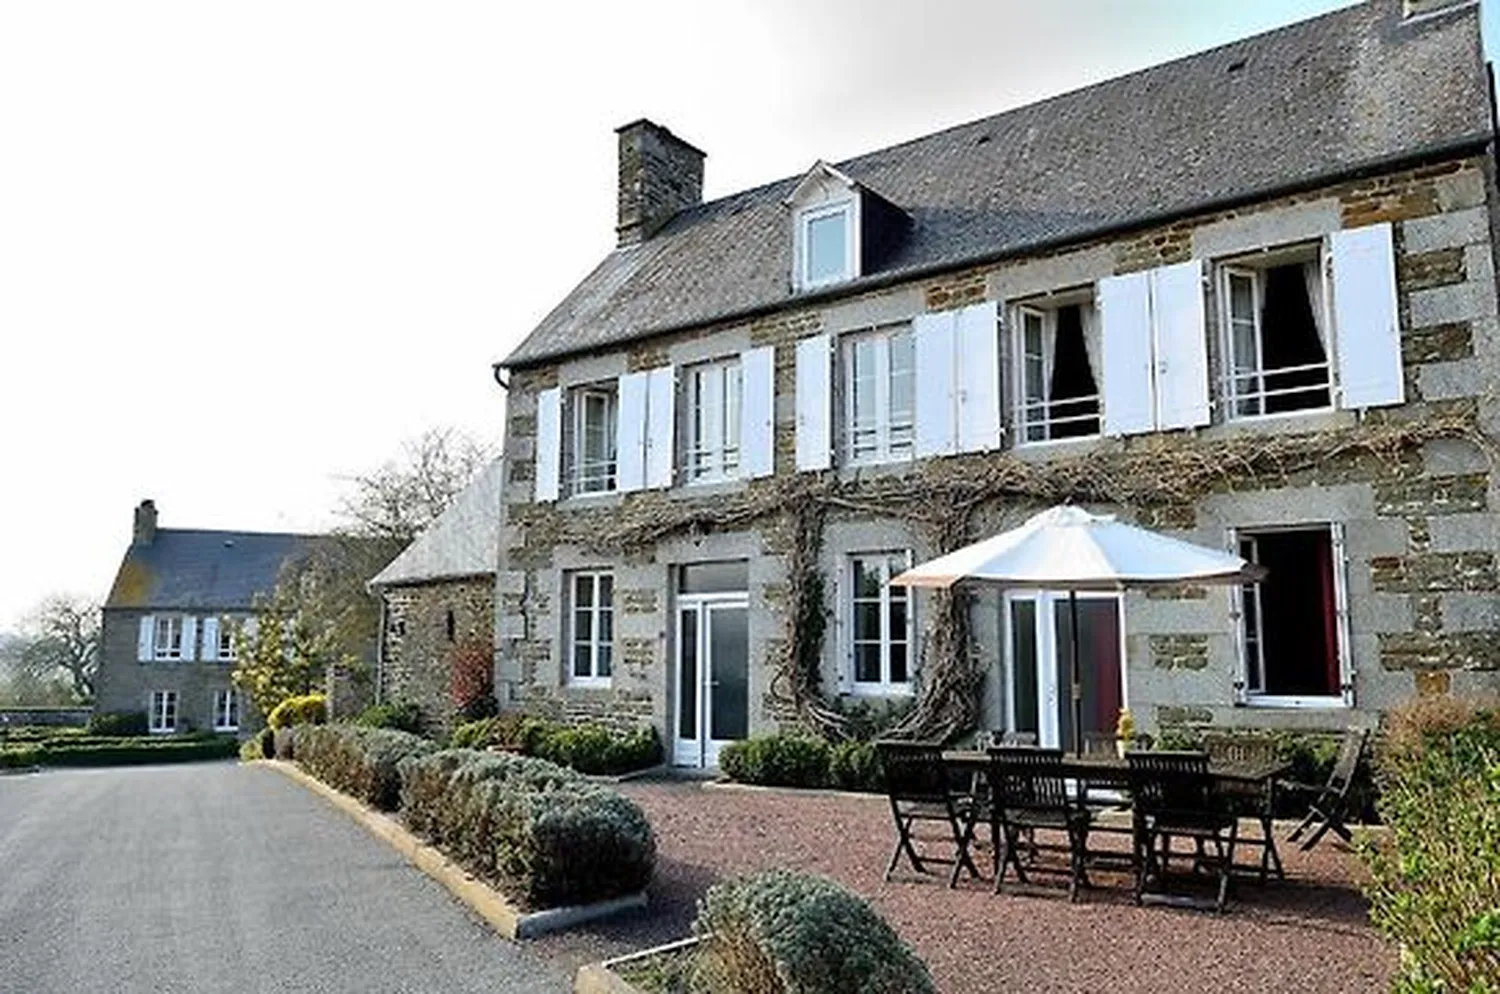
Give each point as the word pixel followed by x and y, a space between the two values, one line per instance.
pixel 1093 344
pixel 1312 275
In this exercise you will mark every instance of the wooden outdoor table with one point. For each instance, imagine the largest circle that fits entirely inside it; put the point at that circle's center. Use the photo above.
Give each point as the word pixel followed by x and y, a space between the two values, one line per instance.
pixel 1256 780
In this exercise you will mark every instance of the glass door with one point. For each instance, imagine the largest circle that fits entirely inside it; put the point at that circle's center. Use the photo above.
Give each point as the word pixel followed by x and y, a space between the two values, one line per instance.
pixel 1039 661
pixel 713 677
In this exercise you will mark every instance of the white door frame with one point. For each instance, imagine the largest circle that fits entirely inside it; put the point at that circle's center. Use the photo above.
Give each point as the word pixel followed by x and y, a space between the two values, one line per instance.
pixel 701 751
pixel 1047 689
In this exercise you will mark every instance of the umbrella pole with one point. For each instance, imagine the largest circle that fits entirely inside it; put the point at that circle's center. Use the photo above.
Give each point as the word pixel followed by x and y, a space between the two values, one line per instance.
pixel 1076 690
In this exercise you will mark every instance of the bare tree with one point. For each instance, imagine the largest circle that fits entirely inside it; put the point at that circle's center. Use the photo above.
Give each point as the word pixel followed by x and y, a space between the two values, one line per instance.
pixel 59 639
pixel 403 496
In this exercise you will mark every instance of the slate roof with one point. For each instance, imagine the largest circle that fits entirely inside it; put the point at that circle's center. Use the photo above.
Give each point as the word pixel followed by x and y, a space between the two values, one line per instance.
pixel 1320 99
pixel 190 569
pixel 463 541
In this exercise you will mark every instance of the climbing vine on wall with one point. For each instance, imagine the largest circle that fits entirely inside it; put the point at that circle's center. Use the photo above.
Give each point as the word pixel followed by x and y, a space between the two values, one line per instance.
pixel 943 501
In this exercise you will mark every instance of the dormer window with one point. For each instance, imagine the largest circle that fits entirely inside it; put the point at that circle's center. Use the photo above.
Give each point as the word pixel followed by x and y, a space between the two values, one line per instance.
pixel 841 230
pixel 827 238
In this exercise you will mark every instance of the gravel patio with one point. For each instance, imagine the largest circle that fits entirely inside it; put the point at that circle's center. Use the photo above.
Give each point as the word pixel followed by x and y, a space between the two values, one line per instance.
pixel 1310 934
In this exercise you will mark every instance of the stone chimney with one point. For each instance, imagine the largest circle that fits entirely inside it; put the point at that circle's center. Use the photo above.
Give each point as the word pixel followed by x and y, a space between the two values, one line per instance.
pixel 660 174
pixel 145 523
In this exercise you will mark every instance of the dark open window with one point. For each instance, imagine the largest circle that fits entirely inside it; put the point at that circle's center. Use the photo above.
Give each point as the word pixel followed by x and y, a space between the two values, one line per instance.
pixel 1277 333
pixel 1289 623
pixel 1058 394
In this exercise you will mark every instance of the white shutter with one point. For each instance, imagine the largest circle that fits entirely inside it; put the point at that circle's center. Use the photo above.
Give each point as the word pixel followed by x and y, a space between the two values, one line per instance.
pixel 758 412
pixel 630 432
pixel 814 403
pixel 1125 333
pixel 935 339
pixel 1365 320
pixel 145 642
pixel 189 638
pixel 1181 346
pixel 660 422
pixel 978 378
pixel 1341 610
pixel 210 640
pixel 548 443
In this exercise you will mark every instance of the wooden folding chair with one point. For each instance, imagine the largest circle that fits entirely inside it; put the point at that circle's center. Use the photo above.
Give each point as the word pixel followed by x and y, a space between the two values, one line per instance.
pixel 1329 808
pixel 920 790
pixel 1173 795
pixel 1028 792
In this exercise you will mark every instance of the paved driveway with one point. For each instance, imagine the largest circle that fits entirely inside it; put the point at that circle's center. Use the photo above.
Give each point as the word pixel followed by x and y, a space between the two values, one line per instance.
pixel 214 877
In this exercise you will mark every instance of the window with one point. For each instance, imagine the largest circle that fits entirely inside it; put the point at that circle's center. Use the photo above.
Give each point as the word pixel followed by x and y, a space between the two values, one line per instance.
pixel 827 245
pixel 1058 352
pixel 713 421
pixel 226 640
pixel 880 393
pixel 1291 635
pixel 450 625
pixel 163 711
pixel 881 628
pixel 168 637
pixel 591 628
pixel 226 710
pixel 593 448
pixel 1276 334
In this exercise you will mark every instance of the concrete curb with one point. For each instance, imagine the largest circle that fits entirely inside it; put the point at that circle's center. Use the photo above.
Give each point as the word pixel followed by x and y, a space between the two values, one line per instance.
pixel 600 978
pixel 479 897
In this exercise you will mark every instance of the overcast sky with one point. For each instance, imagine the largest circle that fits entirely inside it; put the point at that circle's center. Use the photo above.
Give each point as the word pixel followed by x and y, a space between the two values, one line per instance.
pixel 248 248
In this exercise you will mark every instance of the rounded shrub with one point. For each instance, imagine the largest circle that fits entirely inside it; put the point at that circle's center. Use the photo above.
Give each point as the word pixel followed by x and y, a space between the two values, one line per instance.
pixel 600 750
pixel 780 760
pixel 308 709
pixel 404 716
pixel 781 932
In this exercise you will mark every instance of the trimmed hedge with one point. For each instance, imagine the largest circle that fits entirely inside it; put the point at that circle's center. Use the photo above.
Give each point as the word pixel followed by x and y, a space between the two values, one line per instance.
pixel 782 760
pixel 588 747
pixel 119 752
pixel 855 766
pixel 118 723
pixel 357 760
pixel 309 709
pixel 780 932
pixel 544 835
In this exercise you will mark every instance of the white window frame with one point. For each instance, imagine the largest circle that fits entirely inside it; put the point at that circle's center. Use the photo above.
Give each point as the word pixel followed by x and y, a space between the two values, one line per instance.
pixel 891 563
pixel 1254 271
pixel 166 640
pixel 593 640
pixel 805 220
pixel 1024 422
pixel 226 710
pixel 894 440
pixel 162 704
pixel 597 476
pixel 1247 695
pixel 715 401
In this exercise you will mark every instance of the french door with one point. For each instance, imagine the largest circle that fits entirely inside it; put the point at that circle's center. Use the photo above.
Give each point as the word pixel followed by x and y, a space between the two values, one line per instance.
pixel 1039 642
pixel 713 676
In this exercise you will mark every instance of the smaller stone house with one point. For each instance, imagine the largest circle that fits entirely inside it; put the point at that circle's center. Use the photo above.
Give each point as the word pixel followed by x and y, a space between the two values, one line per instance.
pixel 171 615
pixel 438 603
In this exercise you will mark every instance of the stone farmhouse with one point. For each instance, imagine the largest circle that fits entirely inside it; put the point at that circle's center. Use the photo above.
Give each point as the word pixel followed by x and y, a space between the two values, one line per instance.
pixel 167 642
pixel 1247 297
pixel 438 601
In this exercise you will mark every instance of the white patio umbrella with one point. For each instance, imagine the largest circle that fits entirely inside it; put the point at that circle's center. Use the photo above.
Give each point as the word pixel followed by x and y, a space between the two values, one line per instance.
pixel 1067 548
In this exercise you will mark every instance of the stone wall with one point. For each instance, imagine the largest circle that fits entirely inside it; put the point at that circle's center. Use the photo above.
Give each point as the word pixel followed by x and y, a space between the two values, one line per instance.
pixel 126 684
pixel 1419 524
pixel 419 644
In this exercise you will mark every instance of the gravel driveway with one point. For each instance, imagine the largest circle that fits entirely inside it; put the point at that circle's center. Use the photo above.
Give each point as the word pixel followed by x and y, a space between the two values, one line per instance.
pixel 214 877
pixel 1309 935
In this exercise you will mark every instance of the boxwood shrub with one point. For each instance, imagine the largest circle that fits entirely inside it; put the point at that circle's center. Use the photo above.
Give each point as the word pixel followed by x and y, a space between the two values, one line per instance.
pixel 855 766
pixel 780 760
pixel 404 716
pixel 543 834
pixel 309 709
pixel 588 747
pixel 122 751
pixel 780 932
pixel 357 760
